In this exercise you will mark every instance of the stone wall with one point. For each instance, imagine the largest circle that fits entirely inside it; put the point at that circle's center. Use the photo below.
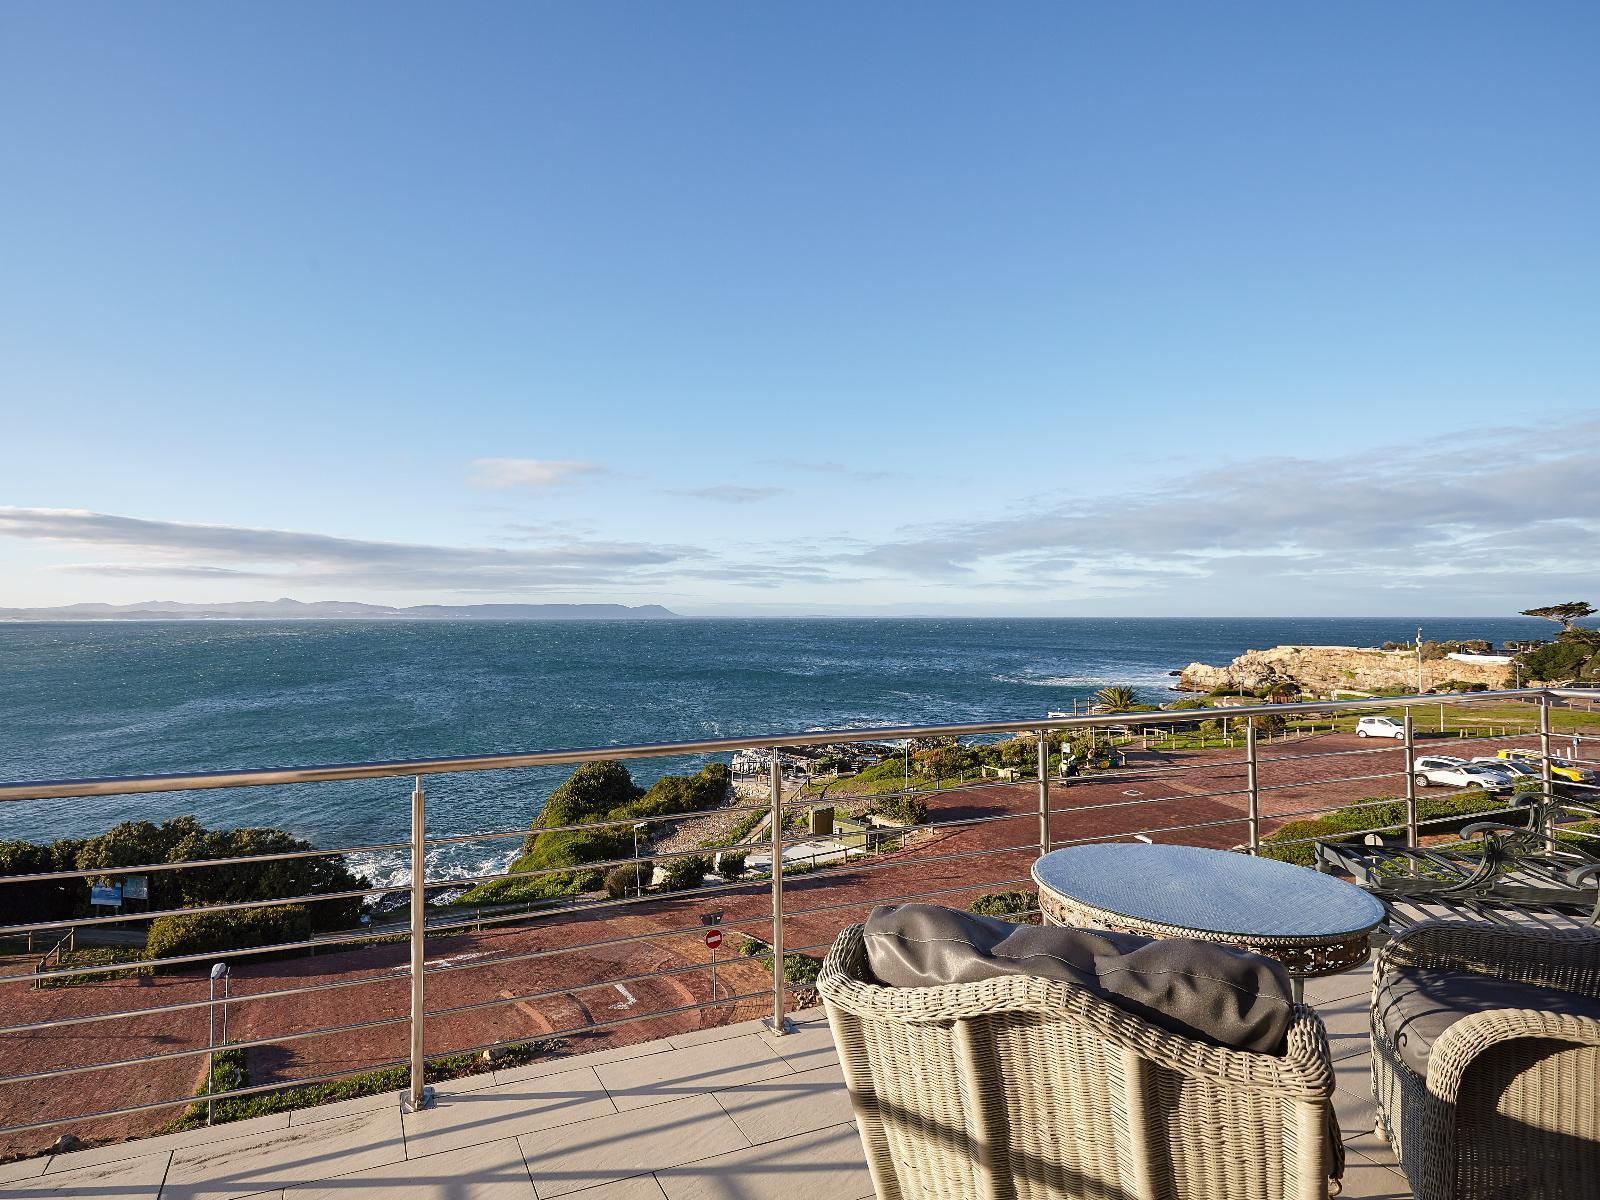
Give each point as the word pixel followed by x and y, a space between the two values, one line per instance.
pixel 1321 670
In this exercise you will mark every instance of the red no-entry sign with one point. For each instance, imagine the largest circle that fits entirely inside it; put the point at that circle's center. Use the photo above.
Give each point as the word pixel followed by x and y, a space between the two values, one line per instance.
pixel 713 938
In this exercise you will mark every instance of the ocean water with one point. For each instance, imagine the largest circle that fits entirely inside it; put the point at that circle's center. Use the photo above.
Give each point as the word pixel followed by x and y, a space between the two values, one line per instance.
pixel 81 700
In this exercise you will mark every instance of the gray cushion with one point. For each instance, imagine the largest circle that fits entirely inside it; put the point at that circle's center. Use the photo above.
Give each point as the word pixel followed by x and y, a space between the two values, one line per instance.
pixel 1198 989
pixel 1415 1007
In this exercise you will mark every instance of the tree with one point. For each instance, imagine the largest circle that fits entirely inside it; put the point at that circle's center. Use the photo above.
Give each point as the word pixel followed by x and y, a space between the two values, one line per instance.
pixel 1282 692
pixel 1566 615
pixel 1116 698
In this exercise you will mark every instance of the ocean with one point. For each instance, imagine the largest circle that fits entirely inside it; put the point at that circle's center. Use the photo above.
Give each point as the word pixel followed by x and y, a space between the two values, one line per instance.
pixel 143 698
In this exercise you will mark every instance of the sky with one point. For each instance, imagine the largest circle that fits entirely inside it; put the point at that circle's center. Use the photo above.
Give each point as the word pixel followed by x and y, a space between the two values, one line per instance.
pixel 1043 309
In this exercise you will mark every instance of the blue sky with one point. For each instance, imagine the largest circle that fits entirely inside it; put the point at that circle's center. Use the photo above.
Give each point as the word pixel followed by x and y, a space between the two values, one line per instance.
pixel 1057 309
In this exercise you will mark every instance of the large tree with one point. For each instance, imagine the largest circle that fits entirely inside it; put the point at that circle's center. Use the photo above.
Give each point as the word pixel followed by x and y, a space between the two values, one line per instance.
pixel 1566 615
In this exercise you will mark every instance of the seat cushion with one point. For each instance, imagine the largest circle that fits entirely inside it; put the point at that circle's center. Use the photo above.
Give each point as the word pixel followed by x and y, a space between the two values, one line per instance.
pixel 1416 1006
pixel 1198 989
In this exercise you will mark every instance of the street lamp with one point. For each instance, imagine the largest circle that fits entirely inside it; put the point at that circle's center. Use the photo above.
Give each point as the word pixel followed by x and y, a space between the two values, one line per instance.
pixel 638 888
pixel 218 971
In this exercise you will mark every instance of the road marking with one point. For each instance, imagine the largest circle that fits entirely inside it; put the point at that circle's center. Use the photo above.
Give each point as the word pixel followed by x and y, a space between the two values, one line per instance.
pixel 627 995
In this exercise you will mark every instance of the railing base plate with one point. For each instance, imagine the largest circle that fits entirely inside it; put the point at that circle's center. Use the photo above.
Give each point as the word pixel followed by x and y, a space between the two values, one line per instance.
pixel 407 1106
pixel 780 1027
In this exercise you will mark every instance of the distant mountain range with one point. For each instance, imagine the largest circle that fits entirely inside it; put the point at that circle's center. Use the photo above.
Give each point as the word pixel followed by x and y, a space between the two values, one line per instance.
pixel 285 609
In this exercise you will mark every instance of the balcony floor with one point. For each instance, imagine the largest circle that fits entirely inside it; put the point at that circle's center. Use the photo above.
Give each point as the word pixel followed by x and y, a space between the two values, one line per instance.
pixel 731 1113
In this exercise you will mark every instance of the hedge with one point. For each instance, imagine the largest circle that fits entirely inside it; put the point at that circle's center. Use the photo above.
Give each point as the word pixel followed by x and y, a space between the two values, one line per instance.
pixel 1440 814
pixel 1017 907
pixel 237 929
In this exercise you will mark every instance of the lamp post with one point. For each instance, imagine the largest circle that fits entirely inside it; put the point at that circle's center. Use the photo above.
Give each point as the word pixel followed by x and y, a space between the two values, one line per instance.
pixel 638 888
pixel 218 971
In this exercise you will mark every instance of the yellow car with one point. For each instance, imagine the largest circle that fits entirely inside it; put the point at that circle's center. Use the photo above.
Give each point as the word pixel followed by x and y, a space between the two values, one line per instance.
pixel 1560 768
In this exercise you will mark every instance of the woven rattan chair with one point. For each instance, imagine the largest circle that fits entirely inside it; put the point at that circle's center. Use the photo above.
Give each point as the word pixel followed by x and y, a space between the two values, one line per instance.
pixel 1019 1088
pixel 1510 1105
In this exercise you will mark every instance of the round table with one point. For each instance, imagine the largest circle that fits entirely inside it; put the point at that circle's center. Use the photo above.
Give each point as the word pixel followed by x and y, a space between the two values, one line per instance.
pixel 1311 923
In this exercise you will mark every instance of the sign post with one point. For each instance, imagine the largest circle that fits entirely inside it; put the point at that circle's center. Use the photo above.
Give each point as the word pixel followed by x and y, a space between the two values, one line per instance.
pixel 713 940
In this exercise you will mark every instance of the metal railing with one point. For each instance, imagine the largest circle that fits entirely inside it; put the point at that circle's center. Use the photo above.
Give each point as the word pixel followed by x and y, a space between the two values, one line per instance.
pixel 777 804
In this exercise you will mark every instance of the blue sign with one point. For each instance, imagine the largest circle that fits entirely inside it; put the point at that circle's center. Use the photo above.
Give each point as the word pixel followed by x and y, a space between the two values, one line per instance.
pixel 111 896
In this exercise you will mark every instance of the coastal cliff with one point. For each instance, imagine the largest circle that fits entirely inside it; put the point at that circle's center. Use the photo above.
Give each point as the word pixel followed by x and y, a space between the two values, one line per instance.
pixel 1321 670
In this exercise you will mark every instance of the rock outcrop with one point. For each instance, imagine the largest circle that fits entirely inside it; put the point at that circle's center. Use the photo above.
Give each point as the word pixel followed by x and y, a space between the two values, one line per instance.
pixel 1321 670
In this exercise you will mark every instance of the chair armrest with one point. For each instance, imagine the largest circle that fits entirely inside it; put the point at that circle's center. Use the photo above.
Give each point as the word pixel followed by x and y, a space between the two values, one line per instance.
pixel 1580 876
pixel 1485 827
pixel 1566 958
pixel 1471 1037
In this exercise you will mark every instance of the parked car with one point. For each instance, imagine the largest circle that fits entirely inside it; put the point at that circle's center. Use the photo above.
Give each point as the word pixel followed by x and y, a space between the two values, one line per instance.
pixel 1513 768
pixel 1560 768
pixel 1457 772
pixel 1380 727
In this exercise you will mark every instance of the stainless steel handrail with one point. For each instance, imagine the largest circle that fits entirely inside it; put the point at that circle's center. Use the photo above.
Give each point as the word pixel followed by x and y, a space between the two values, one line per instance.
pixel 780 803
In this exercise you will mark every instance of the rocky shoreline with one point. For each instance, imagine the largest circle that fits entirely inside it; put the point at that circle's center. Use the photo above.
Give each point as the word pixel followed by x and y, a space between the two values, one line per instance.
pixel 1323 670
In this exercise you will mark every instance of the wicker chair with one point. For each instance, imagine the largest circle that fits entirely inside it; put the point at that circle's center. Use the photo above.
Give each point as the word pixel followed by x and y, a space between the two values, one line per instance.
pixel 1020 1088
pixel 1510 1105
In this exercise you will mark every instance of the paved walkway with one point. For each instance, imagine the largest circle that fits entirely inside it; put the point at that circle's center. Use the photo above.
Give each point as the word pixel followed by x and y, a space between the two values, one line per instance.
pixel 731 1113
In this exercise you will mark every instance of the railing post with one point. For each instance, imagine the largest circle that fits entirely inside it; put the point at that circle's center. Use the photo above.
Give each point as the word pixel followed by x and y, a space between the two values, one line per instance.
pixel 779 1023
pixel 1252 784
pixel 1548 775
pixel 1044 793
pixel 1411 780
pixel 420 1094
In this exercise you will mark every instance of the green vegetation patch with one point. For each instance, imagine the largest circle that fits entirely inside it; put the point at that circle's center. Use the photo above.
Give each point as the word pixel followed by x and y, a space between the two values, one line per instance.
pixel 1440 814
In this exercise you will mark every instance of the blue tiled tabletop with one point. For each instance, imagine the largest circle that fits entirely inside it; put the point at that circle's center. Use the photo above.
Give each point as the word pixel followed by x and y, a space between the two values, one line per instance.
pixel 1212 891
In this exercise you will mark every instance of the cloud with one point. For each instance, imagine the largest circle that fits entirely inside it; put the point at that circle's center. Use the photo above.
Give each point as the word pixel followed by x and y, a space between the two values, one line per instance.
pixel 161 571
pixel 839 470
pixel 500 474
pixel 184 548
pixel 728 493
pixel 1486 505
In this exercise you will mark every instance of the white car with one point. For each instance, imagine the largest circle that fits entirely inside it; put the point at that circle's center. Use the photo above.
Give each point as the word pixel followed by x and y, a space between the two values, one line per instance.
pixel 1457 772
pixel 1380 727
pixel 1508 766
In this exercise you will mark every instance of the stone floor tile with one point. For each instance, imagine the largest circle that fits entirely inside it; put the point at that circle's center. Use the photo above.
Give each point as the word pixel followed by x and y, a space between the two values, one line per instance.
pixel 120 1179
pixel 494 1171
pixel 825 1164
pixel 657 1078
pixel 716 1033
pixel 346 1108
pixel 1331 988
pixel 1348 1025
pixel 1367 1180
pixel 789 1104
pixel 810 1045
pixel 603 1150
pixel 139 1147
pixel 569 1062
pixel 300 1154
pixel 489 1114
pixel 24 1168
pixel 637 1187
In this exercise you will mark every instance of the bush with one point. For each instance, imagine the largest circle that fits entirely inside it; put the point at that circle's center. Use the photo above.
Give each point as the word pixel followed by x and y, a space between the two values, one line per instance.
pixel 1435 814
pixel 627 879
pixel 730 863
pixel 1018 907
pixel 908 810
pixel 687 872
pixel 240 929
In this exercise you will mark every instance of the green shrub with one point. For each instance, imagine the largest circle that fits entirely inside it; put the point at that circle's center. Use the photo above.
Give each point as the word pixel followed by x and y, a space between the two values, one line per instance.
pixel 908 810
pixel 1019 907
pixel 681 874
pixel 730 863
pixel 240 929
pixel 1435 814
pixel 627 879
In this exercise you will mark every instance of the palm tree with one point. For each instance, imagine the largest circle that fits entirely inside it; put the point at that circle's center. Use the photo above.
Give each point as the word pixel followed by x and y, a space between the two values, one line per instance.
pixel 1115 699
